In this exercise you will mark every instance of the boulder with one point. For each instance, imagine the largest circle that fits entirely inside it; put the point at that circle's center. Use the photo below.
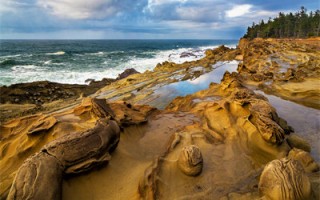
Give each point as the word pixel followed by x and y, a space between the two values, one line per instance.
pixel 190 160
pixel 305 159
pixel 284 179
pixel 127 73
pixel 39 177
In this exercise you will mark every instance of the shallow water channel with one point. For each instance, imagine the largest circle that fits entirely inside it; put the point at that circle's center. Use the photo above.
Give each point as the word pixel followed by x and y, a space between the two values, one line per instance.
pixel 304 120
pixel 165 94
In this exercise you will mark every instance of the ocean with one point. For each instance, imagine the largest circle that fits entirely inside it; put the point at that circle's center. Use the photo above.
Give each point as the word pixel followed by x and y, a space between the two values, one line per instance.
pixel 75 61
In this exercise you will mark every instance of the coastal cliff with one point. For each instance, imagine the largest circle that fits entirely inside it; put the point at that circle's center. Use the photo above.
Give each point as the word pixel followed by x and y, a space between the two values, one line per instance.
pixel 181 131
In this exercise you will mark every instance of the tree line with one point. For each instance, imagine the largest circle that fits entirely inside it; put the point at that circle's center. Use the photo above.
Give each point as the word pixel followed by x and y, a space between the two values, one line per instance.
pixel 298 25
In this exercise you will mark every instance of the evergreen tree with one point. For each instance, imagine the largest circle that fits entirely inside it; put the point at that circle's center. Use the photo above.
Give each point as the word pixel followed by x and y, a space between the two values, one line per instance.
pixel 297 25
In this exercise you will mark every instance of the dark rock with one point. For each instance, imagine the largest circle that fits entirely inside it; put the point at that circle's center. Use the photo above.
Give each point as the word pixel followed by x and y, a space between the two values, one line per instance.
pixel 89 80
pixel 187 54
pixel 127 73
pixel 29 92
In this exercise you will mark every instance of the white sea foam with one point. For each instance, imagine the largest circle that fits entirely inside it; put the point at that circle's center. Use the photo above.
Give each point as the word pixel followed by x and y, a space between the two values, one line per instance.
pixel 24 68
pixel 10 56
pixel 143 64
pixel 58 53
pixel 48 62
pixel 100 53
pixel 29 73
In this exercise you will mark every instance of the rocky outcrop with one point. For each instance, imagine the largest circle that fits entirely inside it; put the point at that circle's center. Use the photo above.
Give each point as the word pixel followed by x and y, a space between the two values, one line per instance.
pixel 127 73
pixel 41 175
pixel 256 109
pixel 284 179
pixel 44 91
pixel 286 68
pixel 78 144
pixel 190 161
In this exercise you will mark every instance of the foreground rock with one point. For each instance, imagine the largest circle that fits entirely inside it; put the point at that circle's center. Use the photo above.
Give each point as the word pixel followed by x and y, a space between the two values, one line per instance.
pixel 284 179
pixel 41 175
pixel 79 145
pixel 305 159
pixel 190 161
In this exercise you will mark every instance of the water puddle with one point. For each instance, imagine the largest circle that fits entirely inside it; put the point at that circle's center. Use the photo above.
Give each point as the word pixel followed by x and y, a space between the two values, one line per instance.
pixel 165 94
pixel 304 120
pixel 284 63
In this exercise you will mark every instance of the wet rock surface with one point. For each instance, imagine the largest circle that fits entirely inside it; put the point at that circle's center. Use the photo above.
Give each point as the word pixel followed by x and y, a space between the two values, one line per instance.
pixel 284 67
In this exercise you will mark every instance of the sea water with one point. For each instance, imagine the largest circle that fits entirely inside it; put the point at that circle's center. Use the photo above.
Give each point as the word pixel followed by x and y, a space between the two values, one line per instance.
pixel 75 61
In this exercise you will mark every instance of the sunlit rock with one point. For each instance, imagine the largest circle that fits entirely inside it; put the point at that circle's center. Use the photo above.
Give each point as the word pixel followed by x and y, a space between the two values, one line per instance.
pixel 190 161
pixel 284 179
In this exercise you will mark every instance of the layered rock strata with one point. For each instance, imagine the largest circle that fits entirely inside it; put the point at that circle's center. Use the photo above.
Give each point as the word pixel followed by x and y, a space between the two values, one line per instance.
pixel 284 179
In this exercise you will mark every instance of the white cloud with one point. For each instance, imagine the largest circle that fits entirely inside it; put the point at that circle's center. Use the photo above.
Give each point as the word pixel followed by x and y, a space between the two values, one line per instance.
pixel 199 14
pixel 13 5
pixel 83 9
pixel 238 10
pixel 186 10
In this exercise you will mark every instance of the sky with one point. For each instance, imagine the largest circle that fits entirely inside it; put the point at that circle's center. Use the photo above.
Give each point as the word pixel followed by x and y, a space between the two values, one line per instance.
pixel 138 19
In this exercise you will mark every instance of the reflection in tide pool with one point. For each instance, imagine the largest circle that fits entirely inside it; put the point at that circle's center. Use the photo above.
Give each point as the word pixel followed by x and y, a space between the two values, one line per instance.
pixel 165 94
pixel 304 120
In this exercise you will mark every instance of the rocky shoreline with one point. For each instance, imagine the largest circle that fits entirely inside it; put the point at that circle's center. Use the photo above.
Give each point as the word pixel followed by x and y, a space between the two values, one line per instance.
pixel 29 98
pixel 226 141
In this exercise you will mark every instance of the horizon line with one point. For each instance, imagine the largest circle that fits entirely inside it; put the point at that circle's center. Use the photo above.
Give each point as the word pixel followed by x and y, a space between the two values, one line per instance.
pixel 117 39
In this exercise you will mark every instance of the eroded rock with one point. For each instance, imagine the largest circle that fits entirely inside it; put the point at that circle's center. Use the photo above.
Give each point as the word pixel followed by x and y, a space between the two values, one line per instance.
pixel 305 159
pixel 80 152
pixel 44 123
pixel 284 179
pixel 40 176
pixel 297 142
pixel 190 160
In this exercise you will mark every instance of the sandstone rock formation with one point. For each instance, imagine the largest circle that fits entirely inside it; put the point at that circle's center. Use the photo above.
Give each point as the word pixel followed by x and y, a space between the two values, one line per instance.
pixel 305 159
pixel 190 160
pixel 284 179
pixel 286 68
pixel 41 175
pixel 70 137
